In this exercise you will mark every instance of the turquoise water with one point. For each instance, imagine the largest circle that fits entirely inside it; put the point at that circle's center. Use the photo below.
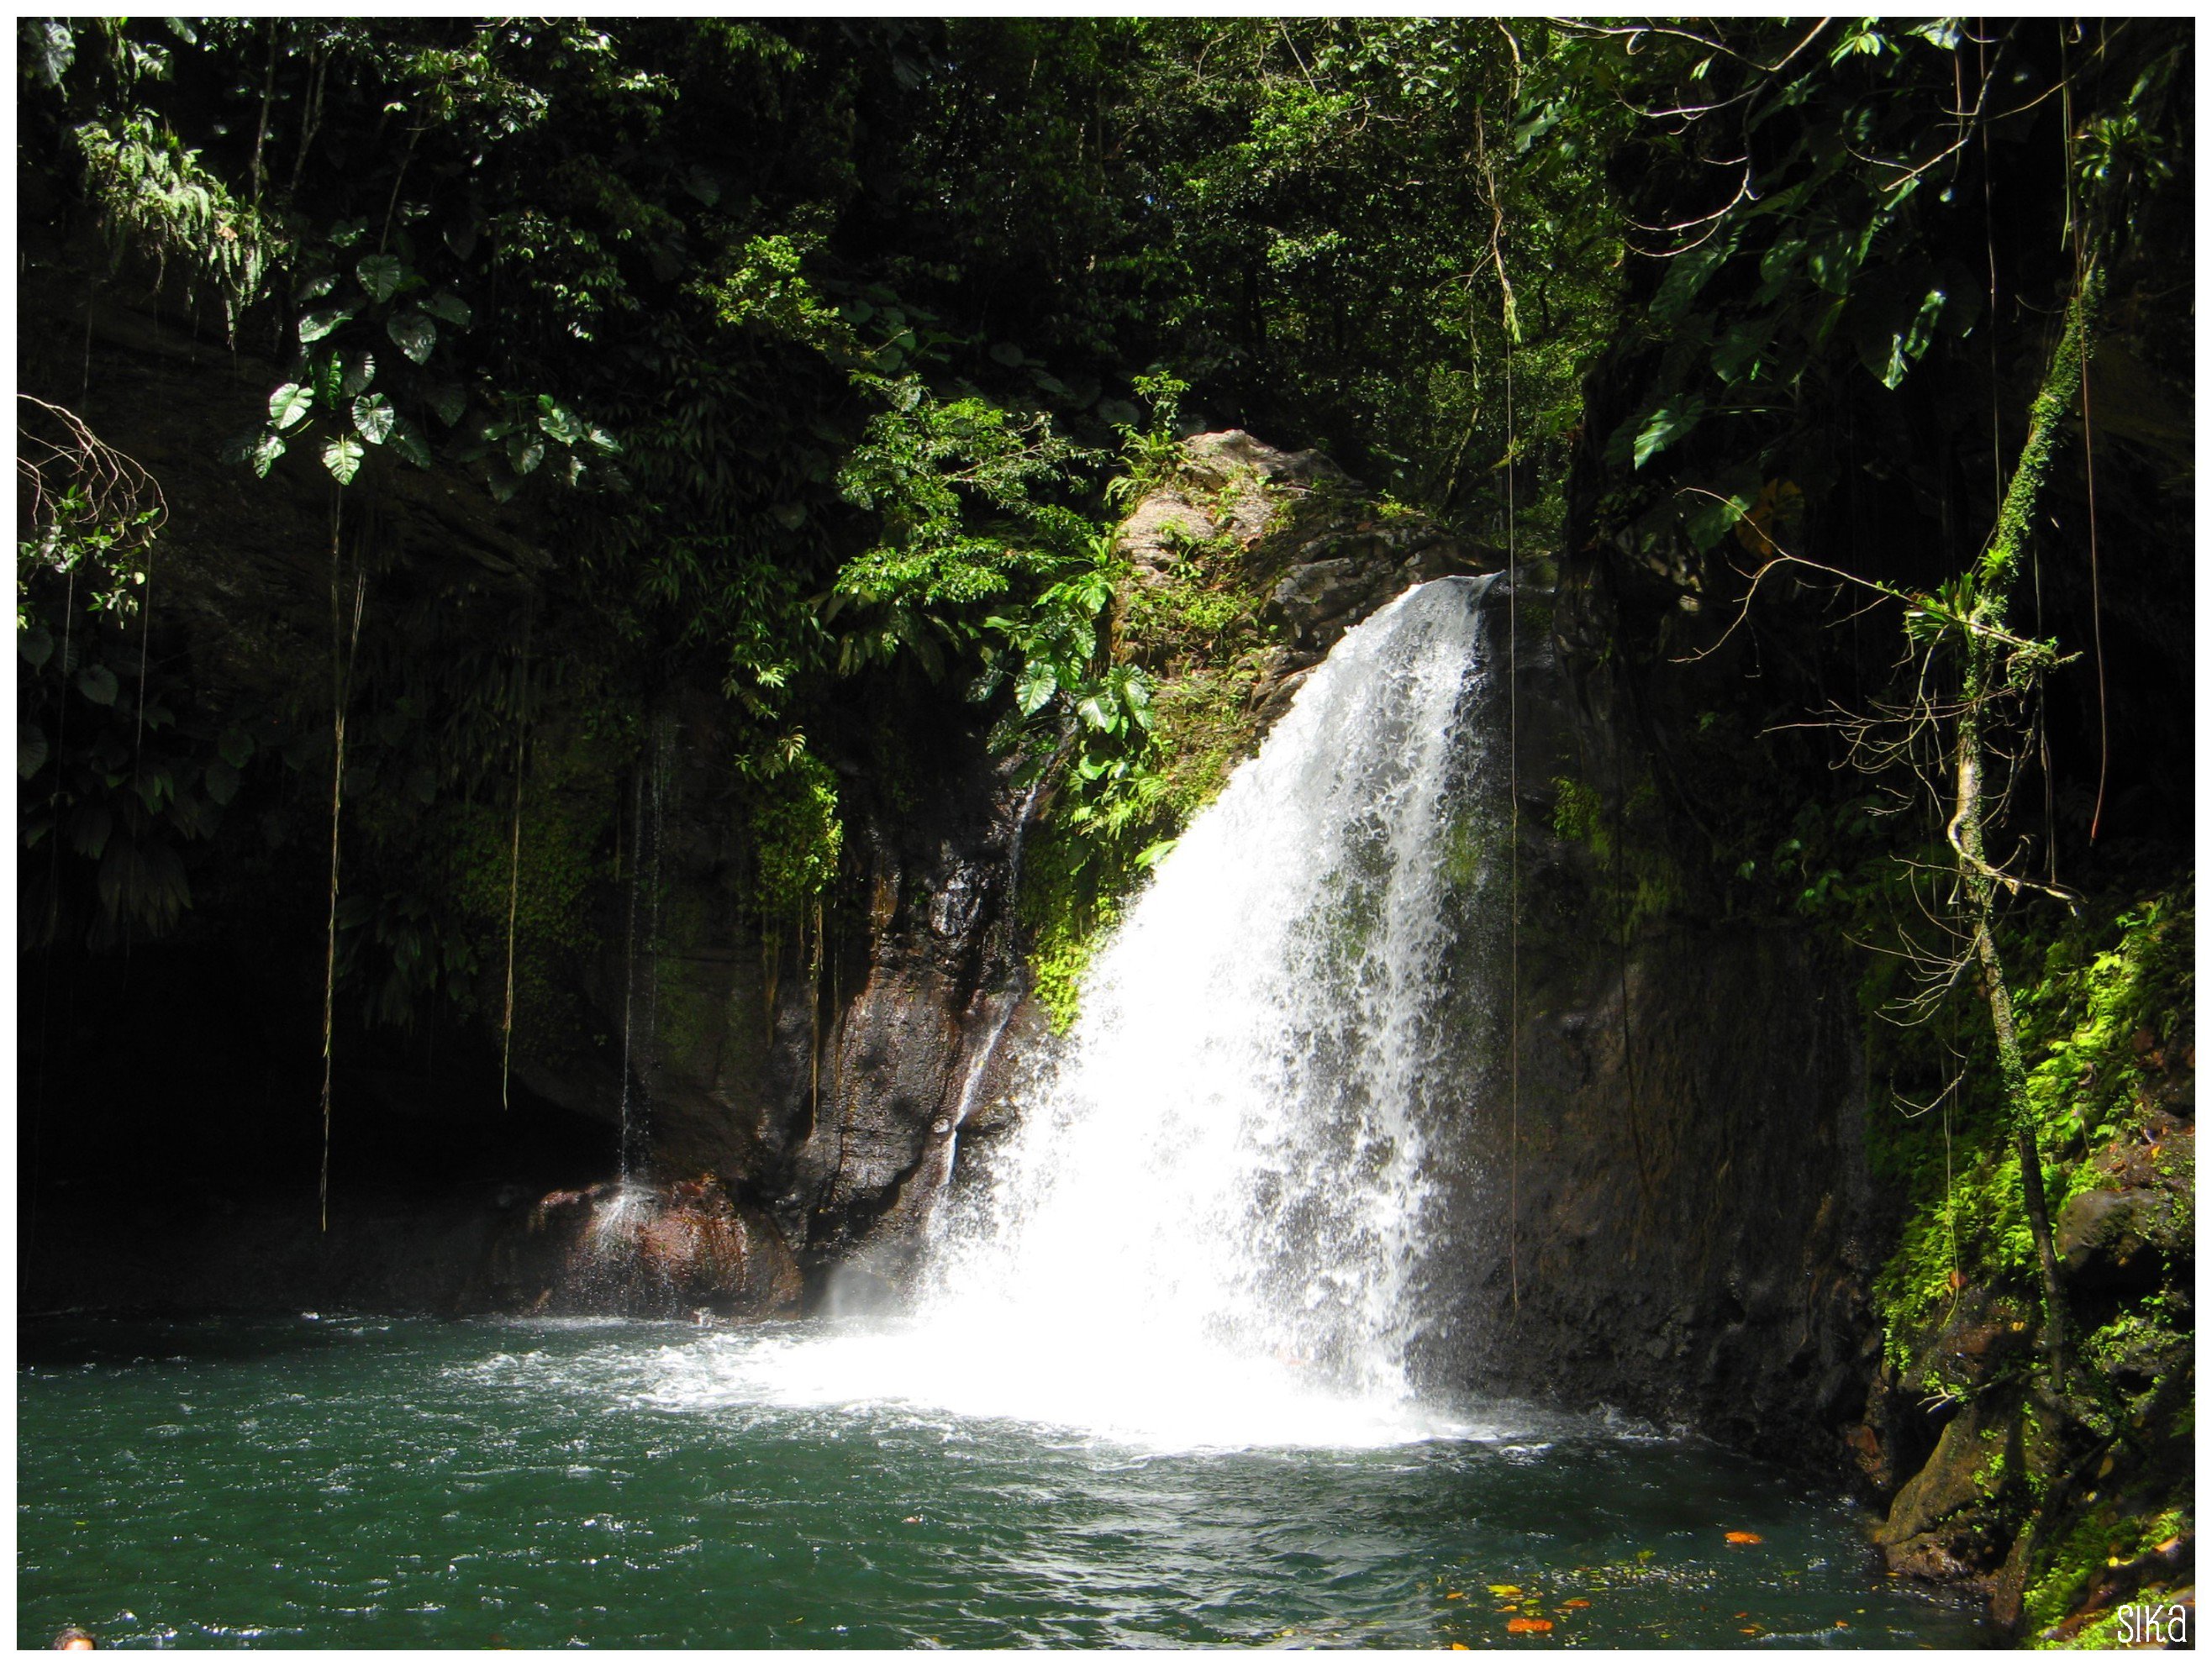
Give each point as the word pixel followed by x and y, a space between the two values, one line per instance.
pixel 367 1482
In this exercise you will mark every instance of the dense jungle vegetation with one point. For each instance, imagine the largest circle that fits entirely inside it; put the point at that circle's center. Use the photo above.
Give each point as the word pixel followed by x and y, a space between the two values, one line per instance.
pixel 1842 369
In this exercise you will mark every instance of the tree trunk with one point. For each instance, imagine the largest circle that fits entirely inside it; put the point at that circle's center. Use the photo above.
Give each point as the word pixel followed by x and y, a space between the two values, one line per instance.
pixel 1965 833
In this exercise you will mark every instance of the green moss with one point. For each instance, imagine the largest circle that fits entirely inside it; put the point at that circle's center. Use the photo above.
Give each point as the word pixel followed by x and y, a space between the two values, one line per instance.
pixel 2115 990
pixel 566 849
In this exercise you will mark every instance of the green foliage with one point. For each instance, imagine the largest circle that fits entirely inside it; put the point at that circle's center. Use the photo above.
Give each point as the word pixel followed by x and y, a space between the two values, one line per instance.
pixel 955 486
pixel 1579 815
pixel 158 199
pixel 796 832
pixel 2114 987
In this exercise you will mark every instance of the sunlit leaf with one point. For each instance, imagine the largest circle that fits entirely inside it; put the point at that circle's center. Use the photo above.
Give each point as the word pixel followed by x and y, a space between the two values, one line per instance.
pixel 342 456
pixel 1673 418
pixel 321 322
pixel 288 404
pixel 373 417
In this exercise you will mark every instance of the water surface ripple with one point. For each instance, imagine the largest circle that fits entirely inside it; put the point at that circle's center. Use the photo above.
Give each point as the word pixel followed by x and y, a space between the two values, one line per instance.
pixel 365 1482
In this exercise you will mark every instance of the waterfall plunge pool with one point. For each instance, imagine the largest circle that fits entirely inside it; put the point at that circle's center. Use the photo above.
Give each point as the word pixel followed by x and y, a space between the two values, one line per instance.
pixel 367 1482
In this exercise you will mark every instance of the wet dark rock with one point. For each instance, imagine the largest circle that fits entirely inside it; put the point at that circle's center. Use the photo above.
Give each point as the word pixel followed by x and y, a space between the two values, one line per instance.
pixel 2116 1240
pixel 1955 1520
pixel 682 1250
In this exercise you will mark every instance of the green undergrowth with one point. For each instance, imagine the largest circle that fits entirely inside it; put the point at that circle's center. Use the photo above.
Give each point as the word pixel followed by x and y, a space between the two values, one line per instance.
pixel 1197 628
pixel 2104 1004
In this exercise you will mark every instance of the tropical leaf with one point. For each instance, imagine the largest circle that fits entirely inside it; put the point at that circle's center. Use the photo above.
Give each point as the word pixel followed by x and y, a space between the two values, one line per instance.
pixel 373 417
pixel 413 334
pixel 1673 418
pixel 360 371
pixel 321 322
pixel 407 440
pixel 381 275
pixel 342 456
pixel 288 404
pixel 449 307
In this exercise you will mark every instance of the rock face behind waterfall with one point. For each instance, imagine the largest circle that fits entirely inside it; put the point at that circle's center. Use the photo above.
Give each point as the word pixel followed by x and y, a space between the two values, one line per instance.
pixel 1666 1213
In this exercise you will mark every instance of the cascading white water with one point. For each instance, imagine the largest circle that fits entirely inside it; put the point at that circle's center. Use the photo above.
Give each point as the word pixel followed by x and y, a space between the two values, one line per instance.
pixel 1211 1222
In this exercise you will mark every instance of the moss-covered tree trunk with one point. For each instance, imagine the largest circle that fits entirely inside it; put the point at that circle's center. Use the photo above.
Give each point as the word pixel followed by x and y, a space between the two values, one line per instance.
pixel 1980 884
pixel 1998 664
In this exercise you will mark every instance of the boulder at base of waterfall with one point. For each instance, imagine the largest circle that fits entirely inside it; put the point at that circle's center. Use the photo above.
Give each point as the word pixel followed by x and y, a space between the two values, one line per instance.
pixel 1957 1518
pixel 681 1250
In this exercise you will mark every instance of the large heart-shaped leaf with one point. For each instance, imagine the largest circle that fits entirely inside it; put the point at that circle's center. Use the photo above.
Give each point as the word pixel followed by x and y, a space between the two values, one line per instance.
pixel 267 447
pixel 36 646
pixel 220 780
pixel 359 371
pixel 373 417
pixel 407 440
pixel 414 335
pixel 288 404
pixel 30 750
pixel 450 307
pixel 321 322
pixel 342 456
pixel 1674 418
pixel 381 275
pixel 98 685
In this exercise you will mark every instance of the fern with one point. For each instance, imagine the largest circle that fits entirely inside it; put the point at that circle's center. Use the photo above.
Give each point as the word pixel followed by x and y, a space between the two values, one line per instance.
pixel 155 199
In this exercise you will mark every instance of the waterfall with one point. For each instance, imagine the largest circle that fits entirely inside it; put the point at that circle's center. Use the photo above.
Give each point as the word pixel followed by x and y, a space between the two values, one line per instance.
pixel 1218 1202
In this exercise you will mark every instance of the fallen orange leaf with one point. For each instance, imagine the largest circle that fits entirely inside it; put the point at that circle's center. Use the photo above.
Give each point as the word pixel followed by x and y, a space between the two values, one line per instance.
pixel 1526 1623
pixel 1738 1536
pixel 1747 1629
pixel 1455 1594
pixel 1459 1646
pixel 1576 1604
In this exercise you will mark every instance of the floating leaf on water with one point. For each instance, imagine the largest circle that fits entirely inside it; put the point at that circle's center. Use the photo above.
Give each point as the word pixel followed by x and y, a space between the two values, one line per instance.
pixel 1576 1604
pixel 1527 1623
pixel 1456 1646
pixel 1740 1537
pixel 1505 1591
pixel 1455 1594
